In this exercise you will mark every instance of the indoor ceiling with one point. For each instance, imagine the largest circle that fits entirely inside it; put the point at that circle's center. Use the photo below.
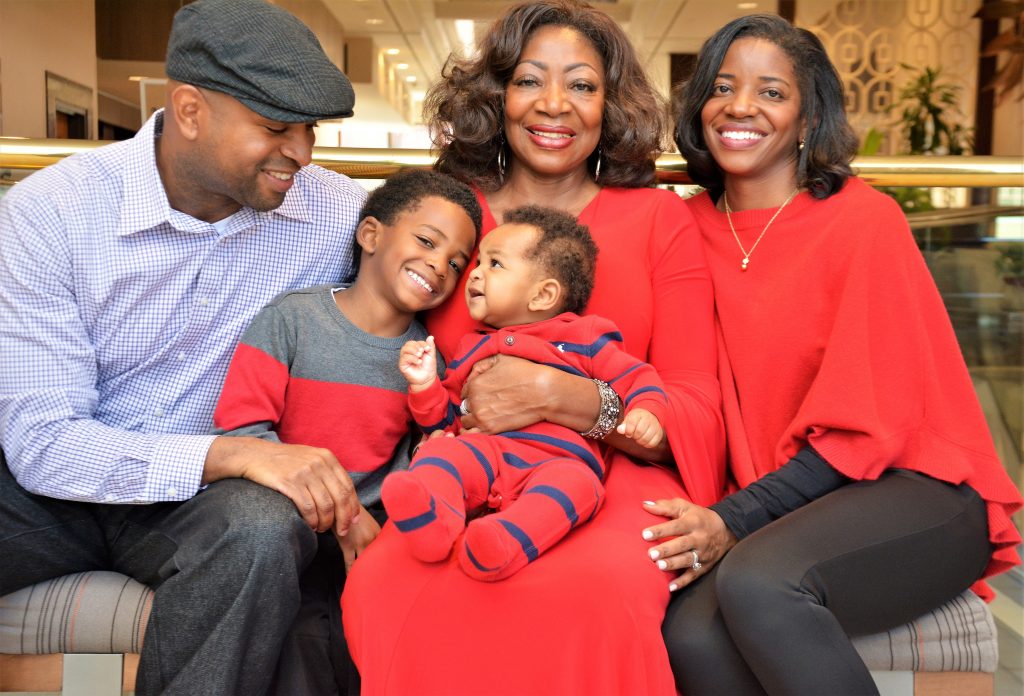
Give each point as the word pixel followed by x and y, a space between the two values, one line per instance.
pixel 426 32
pixel 413 38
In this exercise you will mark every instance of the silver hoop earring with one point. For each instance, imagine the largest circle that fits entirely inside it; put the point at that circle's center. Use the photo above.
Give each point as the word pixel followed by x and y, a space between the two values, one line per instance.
pixel 597 167
pixel 501 159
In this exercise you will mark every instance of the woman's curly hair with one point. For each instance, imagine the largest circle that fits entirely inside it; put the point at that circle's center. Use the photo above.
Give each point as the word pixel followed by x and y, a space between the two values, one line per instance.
pixel 823 165
pixel 466 108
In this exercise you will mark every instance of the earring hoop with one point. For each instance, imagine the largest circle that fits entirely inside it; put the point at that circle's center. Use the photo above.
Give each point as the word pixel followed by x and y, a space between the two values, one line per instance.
pixel 501 159
pixel 597 167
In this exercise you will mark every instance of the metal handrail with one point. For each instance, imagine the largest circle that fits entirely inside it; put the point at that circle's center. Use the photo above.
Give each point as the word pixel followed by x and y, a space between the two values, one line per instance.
pixel 378 163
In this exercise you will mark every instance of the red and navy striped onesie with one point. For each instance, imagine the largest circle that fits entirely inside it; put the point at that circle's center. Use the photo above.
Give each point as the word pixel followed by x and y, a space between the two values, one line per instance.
pixel 543 480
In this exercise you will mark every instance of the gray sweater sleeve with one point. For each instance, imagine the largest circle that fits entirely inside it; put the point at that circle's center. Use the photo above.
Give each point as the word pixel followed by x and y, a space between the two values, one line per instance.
pixel 804 478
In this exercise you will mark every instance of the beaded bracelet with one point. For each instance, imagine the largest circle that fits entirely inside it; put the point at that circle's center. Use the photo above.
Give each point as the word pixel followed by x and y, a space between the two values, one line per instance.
pixel 608 416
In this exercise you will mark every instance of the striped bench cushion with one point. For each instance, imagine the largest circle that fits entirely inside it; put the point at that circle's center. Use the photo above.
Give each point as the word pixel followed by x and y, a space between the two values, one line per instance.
pixel 107 612
pixel 93 612
pixel 959 636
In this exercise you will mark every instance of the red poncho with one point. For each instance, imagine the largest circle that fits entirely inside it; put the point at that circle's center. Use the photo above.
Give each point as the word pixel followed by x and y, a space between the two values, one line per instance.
pixel 836 337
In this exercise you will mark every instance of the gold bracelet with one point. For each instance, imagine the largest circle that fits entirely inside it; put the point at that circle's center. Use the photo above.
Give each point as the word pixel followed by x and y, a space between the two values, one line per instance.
pixel 608 416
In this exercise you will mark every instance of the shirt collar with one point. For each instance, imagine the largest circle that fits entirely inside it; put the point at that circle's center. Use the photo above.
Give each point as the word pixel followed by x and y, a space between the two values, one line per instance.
pixel 145 200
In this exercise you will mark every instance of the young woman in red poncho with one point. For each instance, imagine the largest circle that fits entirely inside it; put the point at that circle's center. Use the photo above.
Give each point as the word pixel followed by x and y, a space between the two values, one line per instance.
pixel 869 489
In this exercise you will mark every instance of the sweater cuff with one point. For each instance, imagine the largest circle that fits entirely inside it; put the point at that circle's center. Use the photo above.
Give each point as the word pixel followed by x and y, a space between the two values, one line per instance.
pixel 657 408
pixel 804 478
pixel 431 408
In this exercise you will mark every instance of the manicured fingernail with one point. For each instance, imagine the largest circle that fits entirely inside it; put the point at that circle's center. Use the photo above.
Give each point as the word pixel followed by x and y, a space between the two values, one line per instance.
pixel 663 565
pixel 673 587
pixel 648 534
pixel 654 553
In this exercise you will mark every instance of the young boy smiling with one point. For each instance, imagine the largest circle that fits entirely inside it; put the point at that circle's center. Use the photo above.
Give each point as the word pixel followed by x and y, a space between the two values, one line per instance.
pixel 317 367
pixel 534 276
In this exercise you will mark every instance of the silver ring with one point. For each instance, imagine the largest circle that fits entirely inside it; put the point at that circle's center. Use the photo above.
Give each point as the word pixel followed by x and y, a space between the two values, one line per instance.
pixel 464 408
pixel 696 561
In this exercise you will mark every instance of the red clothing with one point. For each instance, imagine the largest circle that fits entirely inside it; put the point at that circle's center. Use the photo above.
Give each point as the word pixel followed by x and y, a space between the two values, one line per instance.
pixel 588 346
pixel 836 337
pixel 585 618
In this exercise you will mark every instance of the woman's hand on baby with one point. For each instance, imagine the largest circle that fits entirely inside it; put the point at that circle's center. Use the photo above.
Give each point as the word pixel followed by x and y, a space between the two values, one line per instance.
pixel 690 529
pixel 641 426
pixel 418 362
pixel 362 531
pixel 504 393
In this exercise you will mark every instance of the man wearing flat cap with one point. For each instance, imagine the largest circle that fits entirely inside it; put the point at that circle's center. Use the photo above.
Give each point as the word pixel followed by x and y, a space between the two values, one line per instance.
pixel 127 275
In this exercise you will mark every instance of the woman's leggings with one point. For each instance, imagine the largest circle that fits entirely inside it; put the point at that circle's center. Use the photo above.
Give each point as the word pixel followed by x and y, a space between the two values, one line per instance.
pixel 774 615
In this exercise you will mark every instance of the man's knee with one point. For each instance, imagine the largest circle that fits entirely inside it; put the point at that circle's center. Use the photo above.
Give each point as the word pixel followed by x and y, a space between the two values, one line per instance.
pixel 258 522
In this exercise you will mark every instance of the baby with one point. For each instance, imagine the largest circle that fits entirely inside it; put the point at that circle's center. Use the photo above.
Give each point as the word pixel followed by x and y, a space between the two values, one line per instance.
pixel 534 275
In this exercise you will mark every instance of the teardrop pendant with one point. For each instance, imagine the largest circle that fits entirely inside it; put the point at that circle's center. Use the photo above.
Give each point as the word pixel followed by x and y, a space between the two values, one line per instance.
pixel 746 260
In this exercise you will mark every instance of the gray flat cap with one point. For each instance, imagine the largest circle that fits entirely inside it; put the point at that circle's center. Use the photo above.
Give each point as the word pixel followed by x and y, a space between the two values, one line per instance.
pixel 259 54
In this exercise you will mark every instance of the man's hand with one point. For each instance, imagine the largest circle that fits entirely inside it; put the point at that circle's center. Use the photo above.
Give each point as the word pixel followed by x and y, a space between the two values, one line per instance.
pixel 310 477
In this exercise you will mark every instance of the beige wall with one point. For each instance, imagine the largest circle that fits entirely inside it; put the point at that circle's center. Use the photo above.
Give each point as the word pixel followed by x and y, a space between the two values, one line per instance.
pixel 37 36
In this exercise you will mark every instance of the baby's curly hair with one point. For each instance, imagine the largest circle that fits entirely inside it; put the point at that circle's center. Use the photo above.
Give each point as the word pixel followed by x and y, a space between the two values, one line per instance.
pixel 564 250
pixel 466 108
pixel 405 190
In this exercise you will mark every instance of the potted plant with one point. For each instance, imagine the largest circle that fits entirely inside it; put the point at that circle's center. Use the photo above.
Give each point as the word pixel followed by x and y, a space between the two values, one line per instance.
pixel 1011 42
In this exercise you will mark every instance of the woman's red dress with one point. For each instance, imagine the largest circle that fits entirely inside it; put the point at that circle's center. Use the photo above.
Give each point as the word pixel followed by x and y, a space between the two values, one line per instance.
pixel 586 617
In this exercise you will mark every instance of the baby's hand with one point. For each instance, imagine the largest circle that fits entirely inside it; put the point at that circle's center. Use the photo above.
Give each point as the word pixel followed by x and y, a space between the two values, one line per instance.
pixel 641 425
pixel 418 363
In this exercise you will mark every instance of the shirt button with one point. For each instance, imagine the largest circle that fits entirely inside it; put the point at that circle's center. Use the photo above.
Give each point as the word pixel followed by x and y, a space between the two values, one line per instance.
pixel 172 491
pixel 159 413
pixel 181 356
pixel 109 497
pixel 204 301
pixel 509 340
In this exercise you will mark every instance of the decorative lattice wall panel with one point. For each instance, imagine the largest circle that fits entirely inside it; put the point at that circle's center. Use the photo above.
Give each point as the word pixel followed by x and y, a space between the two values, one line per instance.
pixel 868 40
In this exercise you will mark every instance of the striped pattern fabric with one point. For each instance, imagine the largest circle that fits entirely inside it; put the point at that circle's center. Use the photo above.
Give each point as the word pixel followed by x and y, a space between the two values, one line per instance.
pixel 301 353
pixel 959 636
pixel 93 612
pixel 107 612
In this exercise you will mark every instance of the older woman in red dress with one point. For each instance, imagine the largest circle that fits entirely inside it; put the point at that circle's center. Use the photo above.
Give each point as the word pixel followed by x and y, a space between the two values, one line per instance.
pixel 556 110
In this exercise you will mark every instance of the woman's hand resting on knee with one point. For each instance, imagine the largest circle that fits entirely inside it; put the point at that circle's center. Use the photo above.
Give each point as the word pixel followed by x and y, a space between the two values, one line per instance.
pixel 695 539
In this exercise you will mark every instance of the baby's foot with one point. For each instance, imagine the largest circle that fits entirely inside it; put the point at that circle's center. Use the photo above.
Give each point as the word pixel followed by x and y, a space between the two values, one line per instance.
pixel 429 524
pixel 491 549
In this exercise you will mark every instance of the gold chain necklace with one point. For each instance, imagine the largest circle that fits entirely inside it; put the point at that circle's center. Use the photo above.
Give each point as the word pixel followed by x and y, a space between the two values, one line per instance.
pixel 728 216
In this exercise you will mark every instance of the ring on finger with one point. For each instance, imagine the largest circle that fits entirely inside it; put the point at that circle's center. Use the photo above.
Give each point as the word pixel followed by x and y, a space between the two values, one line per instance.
pixel 696 565
pixel 464 408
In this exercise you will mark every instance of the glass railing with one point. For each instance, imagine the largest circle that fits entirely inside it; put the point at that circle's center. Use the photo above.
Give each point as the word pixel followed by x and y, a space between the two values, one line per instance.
pixel 22 154
pixel 975 251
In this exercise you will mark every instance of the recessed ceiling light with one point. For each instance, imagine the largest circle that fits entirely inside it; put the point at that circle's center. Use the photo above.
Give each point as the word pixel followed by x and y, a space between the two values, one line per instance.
pixel 402 66
pixel 374 21
pixel 747 5
pixel 392 51
pixel 411 78
pixel 136 78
